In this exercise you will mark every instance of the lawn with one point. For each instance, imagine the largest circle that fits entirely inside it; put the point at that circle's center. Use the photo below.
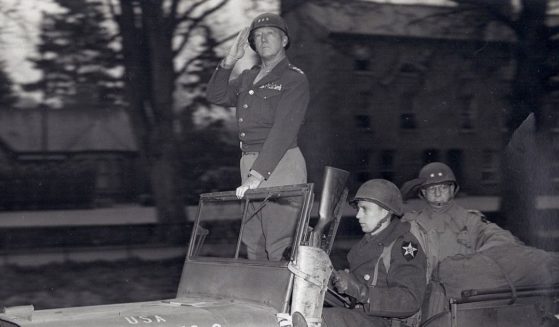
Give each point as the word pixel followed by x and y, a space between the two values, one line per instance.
pixel 60 285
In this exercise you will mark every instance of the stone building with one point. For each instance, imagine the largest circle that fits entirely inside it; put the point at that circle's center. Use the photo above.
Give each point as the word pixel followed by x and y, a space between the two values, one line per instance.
pixel 396 86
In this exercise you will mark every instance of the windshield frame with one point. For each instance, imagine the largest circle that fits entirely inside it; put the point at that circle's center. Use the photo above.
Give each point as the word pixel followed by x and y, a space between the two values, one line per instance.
pixel 305 191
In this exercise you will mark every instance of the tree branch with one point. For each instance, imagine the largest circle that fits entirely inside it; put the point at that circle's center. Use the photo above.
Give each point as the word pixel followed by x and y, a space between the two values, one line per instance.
pixel 112 9
pixel 495 9
pixel 187 13
pixel 173 11
pixel 194 24
pixel 189 62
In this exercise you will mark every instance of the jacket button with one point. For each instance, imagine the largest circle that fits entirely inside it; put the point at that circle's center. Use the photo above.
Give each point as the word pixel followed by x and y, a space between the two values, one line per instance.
pixel 241 120
pixel 366 277
pixel 251 92
pixel 243 134
pixel 245 105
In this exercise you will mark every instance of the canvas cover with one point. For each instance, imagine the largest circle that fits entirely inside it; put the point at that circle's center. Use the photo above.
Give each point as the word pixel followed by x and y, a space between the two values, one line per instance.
pixel 510 265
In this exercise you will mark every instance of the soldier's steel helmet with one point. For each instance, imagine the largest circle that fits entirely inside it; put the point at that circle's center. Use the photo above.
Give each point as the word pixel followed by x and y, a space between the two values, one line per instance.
pixel 436 173
pixel 383 193
pixel 267 20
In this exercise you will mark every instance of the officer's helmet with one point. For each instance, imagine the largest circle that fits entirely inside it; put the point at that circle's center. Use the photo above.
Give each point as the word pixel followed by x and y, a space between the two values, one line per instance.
pixel 383 193
pixel 436 173
pixel 267 20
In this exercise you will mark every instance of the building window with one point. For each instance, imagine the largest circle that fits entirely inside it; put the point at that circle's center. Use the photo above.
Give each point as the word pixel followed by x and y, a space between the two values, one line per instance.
pixel 103 175
pixel 555 169
pixel 454 160
pixel 364 158
pixel 554 117
pixel 109 175
pixel 387 164
pixel 489 167
pixel 430 155
pixel 411 70
pixel 363 164
pixel 364 100
pixel 407 116
pixel 467 112
pixel 361 65
pixel 407 121
pixel 362 57
pixel 406 102
pixel 363 121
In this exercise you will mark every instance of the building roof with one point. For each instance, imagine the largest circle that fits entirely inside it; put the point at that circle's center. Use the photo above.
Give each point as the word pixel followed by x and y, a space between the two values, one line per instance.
pixel 66 130
pixel 382 19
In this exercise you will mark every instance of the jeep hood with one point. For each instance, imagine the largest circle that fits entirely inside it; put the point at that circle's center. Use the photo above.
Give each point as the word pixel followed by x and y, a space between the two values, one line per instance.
pixel 173 313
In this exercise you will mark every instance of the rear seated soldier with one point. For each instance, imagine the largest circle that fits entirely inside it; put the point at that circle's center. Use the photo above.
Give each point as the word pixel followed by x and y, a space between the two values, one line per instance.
pixel 464 250
pixel 386 279
pixel 450 229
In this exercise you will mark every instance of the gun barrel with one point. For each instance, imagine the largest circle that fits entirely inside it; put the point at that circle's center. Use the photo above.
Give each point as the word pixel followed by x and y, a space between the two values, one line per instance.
pixel 334 184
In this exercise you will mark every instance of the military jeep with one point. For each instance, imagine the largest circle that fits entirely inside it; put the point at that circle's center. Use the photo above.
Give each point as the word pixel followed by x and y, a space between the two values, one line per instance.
pixel 221 287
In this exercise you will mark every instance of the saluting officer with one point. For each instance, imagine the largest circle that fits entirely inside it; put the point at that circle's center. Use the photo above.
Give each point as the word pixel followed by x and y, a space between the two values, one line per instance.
pixel 271 101
pixel 387 269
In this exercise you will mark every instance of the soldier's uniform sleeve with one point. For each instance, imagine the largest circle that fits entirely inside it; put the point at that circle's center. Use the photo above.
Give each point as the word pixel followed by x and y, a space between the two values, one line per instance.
pixel 406 282
pixel 487 234
pixel 288 118
pixel 220 90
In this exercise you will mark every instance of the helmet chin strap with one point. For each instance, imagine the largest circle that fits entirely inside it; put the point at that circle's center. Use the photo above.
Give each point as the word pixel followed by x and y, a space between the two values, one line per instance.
pixel 382 221
pixel 438 204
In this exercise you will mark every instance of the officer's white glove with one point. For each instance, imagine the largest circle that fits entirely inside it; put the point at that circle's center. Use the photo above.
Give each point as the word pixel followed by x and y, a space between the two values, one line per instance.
pixel 250 183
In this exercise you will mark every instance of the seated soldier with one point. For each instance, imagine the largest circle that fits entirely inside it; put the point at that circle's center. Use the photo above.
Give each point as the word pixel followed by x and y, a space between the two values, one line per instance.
pixel 446 230
pixel 386 276
pixel 450 229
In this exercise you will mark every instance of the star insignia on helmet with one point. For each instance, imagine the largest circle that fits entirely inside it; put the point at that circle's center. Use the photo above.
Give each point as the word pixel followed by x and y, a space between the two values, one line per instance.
pixel 409 250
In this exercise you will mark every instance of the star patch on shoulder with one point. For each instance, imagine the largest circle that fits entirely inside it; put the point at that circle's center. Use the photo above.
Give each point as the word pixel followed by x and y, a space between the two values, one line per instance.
pixel 409 250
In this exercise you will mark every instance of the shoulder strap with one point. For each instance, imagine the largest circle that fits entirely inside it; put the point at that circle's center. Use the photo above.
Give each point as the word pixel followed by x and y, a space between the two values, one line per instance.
pixel 385 256
pixel 421 235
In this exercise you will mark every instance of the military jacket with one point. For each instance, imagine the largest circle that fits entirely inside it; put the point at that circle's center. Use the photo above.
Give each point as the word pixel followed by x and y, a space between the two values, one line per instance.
pixel 454 230
pixel 399 290
pixel 269 112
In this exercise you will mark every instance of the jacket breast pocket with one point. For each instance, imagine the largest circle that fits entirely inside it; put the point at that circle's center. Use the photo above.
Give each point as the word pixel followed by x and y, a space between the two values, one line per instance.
pixel 268 92
pixel 269 101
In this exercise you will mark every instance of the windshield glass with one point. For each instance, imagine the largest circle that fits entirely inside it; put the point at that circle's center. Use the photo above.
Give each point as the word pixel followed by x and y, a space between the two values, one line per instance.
pixel 227 227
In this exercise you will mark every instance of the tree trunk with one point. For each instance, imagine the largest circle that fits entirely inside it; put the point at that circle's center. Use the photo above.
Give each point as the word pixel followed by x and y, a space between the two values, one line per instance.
pixel 165 171
pixel 525 174
pixel 150 85
pixel 532 51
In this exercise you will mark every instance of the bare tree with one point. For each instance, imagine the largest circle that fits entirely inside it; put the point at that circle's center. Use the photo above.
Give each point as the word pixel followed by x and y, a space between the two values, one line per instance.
pixel 533 48
pixel 154 33
pixel 10 15
pixel 528 156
